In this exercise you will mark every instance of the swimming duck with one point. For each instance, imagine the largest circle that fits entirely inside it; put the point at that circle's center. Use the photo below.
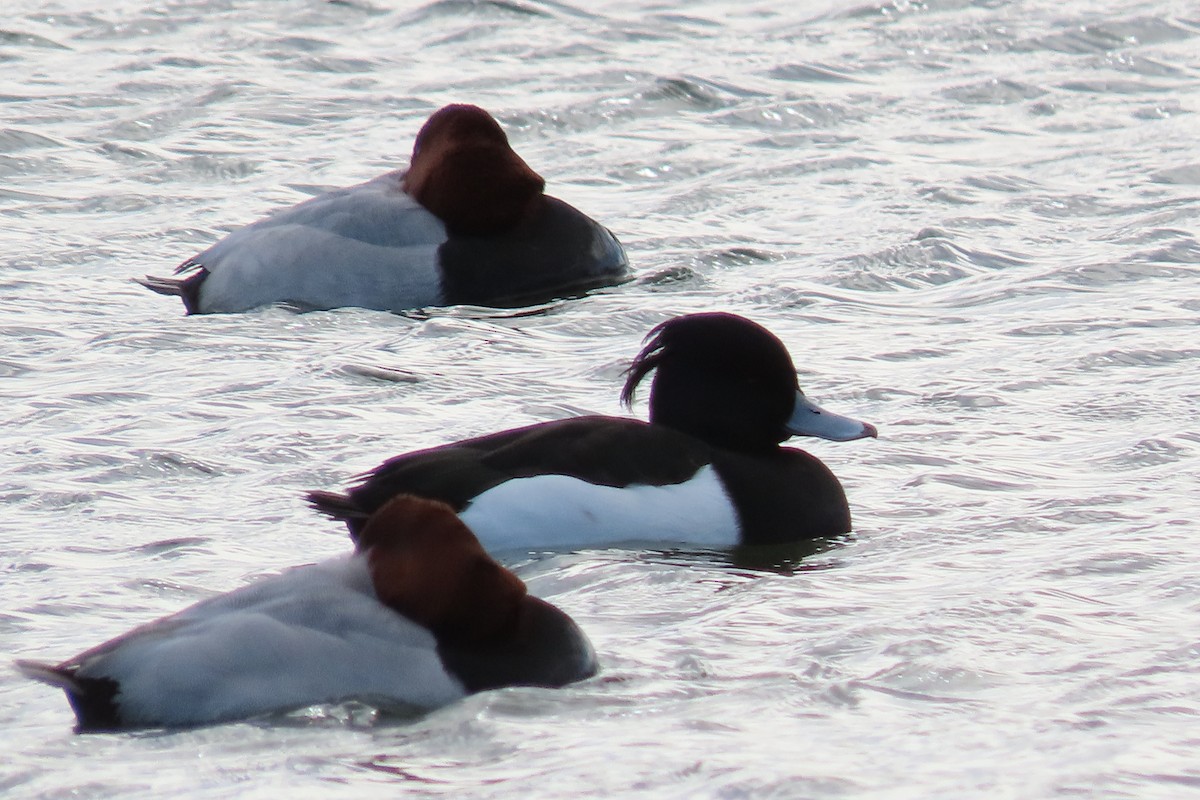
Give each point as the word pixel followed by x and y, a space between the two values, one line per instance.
pixel 706 470
pixel 468 222
pixel 417 617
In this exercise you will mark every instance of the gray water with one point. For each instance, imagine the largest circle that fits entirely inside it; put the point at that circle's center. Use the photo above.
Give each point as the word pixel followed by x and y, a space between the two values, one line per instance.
pixel 974 224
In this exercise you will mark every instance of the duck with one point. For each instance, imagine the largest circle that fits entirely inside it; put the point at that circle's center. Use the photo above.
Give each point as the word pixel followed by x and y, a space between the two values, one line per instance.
pixel 707 470
pixel 417 617
pixel 467 223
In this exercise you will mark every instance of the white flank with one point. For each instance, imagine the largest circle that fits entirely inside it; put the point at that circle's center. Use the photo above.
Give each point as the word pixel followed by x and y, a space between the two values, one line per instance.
pixel 556 512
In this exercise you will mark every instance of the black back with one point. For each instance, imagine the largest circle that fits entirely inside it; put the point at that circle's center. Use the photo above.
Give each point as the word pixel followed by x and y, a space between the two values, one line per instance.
pixel 607 451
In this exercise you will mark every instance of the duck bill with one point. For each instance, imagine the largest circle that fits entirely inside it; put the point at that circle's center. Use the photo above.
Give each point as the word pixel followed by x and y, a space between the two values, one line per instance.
pixel 809 419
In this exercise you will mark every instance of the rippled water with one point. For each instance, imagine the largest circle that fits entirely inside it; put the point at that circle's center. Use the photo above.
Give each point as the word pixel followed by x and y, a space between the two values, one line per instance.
pixel 974 223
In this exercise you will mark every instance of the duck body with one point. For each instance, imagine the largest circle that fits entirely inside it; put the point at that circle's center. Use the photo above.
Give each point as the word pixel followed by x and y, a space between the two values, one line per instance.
pixel 706 470
pixel 596 481
pixel 235 655
pixel 369 245
pixel 371 626
pixel 467 223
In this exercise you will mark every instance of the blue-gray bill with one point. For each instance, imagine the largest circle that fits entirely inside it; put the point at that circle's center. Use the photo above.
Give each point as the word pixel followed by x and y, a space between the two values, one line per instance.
pixel 809 419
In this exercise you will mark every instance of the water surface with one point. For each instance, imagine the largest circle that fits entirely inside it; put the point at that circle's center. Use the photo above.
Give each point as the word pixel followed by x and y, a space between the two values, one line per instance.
pixel 974 223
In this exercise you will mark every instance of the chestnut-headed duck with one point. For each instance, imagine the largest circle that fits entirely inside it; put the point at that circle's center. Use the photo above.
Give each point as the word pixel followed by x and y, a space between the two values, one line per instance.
pixel 417 617
pixel 467 222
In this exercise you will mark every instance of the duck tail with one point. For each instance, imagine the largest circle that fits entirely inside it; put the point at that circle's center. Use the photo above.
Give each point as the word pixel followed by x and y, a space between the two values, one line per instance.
pixel 60 677
pixel 167 286
pixel 341 507
pixel 186 288
pixel 336 505
pixel 94 700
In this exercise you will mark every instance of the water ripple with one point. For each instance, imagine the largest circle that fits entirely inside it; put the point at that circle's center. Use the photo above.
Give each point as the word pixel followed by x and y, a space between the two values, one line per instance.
pixel 972 222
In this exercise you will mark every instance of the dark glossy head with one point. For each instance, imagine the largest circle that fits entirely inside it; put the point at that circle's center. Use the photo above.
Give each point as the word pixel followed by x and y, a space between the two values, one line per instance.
pixel 731 382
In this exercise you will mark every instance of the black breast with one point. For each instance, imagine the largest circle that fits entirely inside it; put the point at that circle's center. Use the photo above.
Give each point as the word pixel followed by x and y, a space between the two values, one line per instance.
pixel 548 649
pixel 783 496
pixel 557 249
